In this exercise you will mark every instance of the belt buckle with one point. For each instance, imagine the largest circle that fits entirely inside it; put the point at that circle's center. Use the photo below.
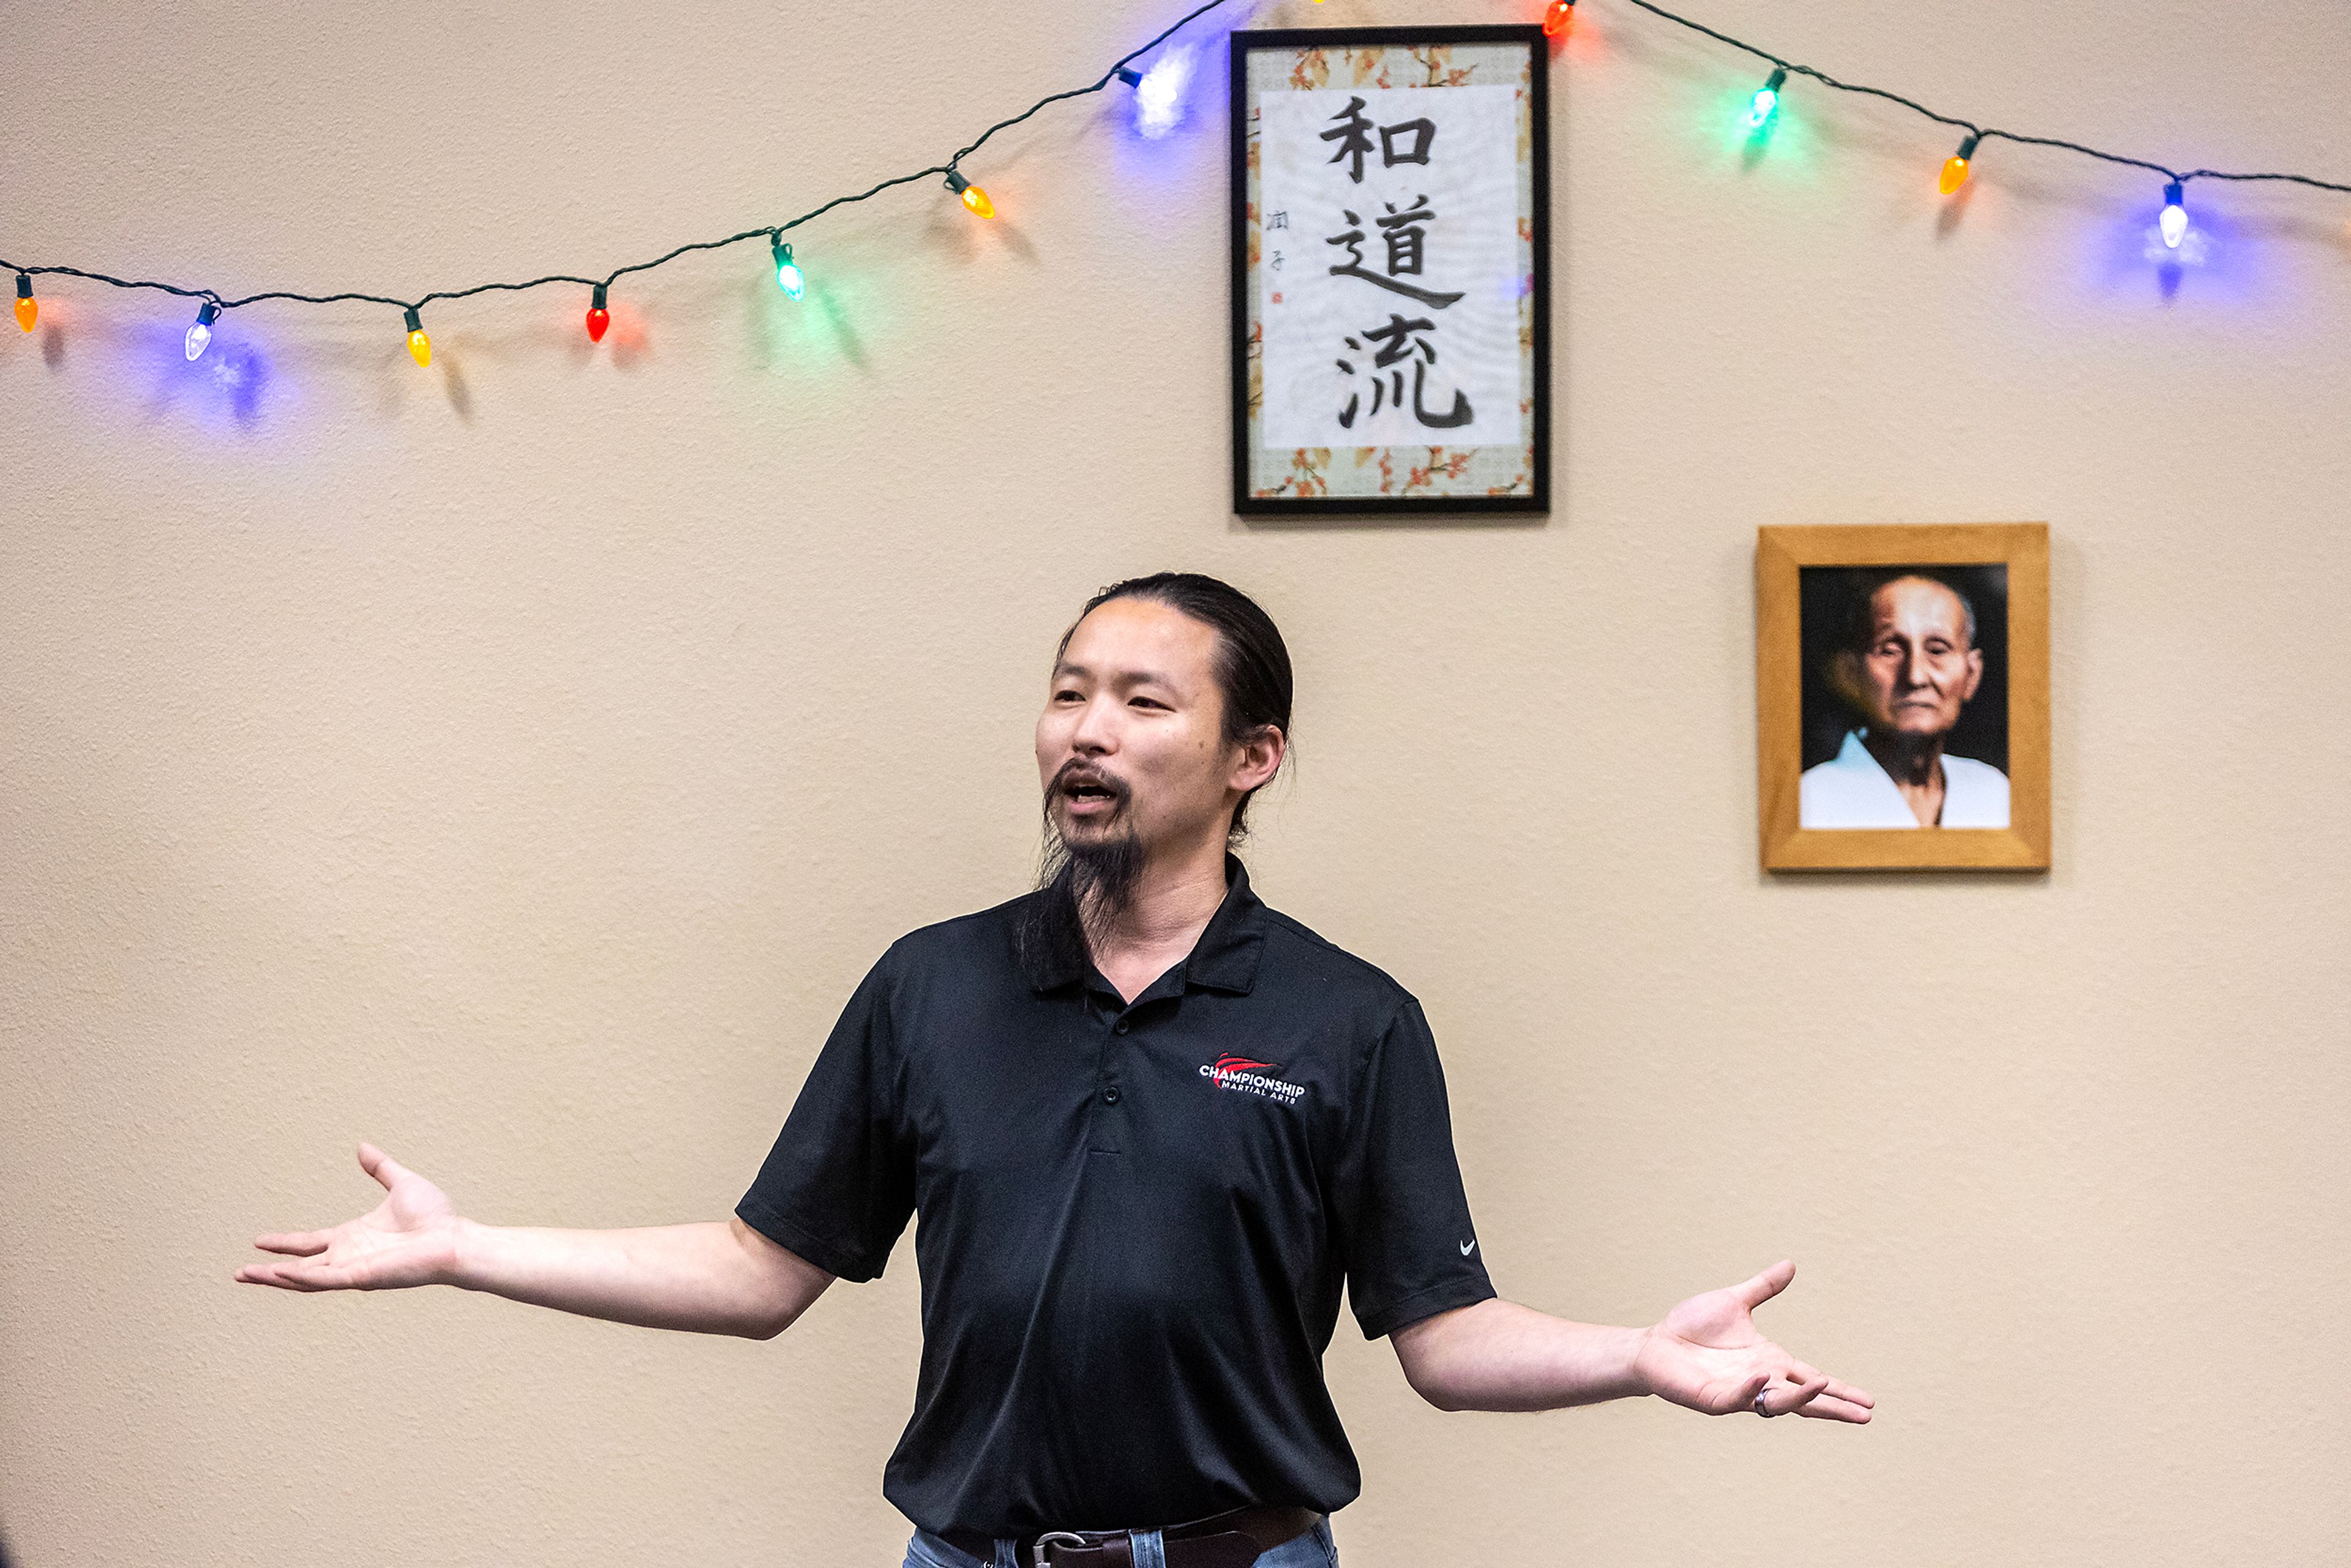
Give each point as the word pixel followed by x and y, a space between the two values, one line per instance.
pixel 1054 1538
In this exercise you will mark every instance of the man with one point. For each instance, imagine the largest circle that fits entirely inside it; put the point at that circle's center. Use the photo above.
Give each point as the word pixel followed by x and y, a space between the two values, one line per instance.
pixel 1151 1127
pixel 1910 665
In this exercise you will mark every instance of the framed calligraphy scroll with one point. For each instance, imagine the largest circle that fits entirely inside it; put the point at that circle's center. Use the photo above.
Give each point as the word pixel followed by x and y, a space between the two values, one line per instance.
pixel 1391 276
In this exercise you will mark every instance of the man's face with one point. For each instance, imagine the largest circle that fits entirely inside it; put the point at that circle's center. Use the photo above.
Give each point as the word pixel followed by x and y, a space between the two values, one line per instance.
pixel 1131 741
pixel 1916 670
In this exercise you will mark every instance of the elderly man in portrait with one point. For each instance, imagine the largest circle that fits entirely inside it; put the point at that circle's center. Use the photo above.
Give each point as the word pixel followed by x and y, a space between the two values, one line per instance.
pixel 1908 667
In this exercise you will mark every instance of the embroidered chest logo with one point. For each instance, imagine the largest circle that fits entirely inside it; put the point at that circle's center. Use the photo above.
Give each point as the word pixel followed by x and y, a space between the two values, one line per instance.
pixel 1250 1076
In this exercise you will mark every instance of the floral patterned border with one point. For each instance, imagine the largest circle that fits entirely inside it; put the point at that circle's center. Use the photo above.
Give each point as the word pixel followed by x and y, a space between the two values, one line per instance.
pixel 1375 472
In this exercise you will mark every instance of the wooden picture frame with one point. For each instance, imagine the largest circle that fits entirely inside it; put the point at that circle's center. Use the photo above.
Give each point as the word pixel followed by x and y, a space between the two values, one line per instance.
pixel 1401 290
pixel 1845 621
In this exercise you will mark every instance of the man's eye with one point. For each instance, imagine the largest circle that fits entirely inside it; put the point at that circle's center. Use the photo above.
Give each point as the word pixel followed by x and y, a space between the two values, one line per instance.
pixel 1145 702
pixel 1066 696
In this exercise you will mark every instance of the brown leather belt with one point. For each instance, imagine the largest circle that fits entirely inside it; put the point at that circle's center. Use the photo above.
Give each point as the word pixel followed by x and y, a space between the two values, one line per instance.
pixel 1232 1540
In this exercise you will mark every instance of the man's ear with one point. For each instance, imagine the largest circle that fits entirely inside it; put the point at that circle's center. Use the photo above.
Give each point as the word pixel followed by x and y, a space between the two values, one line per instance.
pixel 1843 674
pixel 1259 761
pixel 1975 674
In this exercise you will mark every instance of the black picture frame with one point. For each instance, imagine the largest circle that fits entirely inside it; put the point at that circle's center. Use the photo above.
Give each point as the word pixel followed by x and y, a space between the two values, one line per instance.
pixel 1534 496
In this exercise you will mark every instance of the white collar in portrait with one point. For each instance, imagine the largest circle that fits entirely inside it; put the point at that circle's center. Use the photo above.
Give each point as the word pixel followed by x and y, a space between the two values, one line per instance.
pixel 1851 790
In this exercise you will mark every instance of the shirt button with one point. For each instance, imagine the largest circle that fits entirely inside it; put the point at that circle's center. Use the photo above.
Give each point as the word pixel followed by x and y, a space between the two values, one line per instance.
pixel 1119 1028
pixel 1110 1094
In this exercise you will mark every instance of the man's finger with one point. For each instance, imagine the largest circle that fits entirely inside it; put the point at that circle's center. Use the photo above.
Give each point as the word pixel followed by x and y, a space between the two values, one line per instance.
pixel 1766 1285
pixel 1829 1407
pixel 381 1165
pixel 301 1243
pixel 1780 1401
pixel 263 1274
pixel 1845 1391
pixel 299 1276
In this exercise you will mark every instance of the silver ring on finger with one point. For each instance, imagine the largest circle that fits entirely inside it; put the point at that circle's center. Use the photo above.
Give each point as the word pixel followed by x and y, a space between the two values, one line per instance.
pixel 1760 1407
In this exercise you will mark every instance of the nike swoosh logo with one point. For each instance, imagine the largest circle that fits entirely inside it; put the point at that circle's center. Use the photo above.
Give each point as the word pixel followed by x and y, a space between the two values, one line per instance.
pixel 1469 1247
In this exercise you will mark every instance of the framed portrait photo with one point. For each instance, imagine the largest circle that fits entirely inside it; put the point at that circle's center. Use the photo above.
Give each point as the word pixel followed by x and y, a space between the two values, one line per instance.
pixel 1390 283
pixel 1902 697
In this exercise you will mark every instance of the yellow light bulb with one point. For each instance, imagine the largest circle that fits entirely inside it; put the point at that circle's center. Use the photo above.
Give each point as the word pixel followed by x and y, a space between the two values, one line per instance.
pixel 28 309
pixel 420 346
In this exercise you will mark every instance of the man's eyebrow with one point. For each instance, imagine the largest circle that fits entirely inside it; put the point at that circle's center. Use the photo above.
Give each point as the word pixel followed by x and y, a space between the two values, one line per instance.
pixel 1127 677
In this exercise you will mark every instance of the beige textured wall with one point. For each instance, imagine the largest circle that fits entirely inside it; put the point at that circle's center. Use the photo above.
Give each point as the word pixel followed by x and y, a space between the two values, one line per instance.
pixel 517 762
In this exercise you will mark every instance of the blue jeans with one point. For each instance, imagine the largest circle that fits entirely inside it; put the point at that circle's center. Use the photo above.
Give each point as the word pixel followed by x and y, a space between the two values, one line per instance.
pixel 1311 1548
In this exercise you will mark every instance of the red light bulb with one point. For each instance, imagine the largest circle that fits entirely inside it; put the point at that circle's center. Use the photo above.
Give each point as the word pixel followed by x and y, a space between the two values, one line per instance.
pixel 1559 18
pixel 598 317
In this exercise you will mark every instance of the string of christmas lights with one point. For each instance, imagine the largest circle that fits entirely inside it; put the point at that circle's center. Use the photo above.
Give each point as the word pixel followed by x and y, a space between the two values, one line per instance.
pixel 1764 107
pixel 1156 92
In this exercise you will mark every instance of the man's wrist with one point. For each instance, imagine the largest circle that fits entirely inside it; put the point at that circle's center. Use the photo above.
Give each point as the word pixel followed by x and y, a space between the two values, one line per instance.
pixel 468 1242
pixel 1636 1366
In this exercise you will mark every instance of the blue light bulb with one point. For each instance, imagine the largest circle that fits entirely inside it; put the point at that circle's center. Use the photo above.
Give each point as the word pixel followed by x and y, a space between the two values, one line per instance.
pixel 2174 221
pixel 201 334
pixel 1159 91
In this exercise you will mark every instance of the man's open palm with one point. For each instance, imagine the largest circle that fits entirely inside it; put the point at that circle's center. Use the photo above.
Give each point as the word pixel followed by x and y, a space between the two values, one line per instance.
pixel 1706 1354
pixel 409 1239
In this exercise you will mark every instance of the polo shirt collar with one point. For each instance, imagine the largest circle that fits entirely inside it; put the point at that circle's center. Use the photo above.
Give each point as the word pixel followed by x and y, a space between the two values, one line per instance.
pixel 1225 959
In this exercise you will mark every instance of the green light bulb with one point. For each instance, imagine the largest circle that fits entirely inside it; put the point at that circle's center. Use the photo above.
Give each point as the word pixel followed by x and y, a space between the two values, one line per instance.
pixel 789 276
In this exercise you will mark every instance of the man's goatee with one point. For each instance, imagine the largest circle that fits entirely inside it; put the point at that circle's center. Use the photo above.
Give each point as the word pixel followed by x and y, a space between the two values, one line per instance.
pixel 1080 888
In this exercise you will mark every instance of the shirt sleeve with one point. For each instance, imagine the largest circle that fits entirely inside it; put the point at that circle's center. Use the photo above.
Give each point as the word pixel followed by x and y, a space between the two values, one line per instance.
pixel 1402 1219
pixel 839 1185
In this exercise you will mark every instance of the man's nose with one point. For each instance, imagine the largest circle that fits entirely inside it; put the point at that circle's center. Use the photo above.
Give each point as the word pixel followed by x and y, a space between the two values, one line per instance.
pixel 1097 730
pixel 1916 669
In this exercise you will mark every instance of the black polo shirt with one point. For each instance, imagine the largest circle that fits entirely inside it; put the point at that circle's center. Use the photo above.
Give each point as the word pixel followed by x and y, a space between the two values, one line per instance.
pixel 1135 1218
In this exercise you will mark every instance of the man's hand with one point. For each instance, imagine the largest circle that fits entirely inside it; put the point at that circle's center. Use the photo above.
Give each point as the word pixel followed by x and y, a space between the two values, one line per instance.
pixel 714 1277
pixel 1705 1354
pixel 409 1239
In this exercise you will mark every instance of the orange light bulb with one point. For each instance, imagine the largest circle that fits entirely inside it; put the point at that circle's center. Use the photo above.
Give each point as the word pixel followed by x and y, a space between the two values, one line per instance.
pixel 28 309
pixel 1955 167
pixel 1559 18
pixel 420 346
pixel 972 195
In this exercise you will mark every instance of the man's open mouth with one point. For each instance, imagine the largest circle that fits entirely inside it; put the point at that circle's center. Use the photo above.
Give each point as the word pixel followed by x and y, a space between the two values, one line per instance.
pixel 1090 796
